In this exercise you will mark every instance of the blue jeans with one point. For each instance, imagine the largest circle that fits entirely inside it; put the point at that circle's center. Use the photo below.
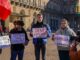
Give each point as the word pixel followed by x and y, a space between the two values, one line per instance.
pixel 15 53
pixel 37 52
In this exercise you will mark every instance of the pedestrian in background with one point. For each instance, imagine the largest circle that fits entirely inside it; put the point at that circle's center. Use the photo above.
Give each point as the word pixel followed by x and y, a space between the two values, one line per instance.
pixel 18 49
pixel 40 42
pixel 66 31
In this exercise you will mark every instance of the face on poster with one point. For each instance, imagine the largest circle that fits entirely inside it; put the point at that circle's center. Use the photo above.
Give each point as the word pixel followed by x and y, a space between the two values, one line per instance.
pixel 39 32
pixel 62 40
pixel 17 38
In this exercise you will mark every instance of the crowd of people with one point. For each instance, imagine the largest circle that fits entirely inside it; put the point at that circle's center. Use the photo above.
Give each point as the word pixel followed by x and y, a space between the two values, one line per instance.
pixel 40 32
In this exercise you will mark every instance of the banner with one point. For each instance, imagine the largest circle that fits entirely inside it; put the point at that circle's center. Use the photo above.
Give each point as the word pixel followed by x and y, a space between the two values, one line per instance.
pixel 4 41
pixel 39 32
pixel 62 40
pixel 18 38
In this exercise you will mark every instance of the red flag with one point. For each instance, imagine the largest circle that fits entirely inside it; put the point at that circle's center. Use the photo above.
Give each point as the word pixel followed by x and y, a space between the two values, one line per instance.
pixel 5 9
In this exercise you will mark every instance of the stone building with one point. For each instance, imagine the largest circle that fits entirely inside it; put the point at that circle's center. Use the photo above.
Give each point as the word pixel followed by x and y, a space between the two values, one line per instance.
pixel 25 10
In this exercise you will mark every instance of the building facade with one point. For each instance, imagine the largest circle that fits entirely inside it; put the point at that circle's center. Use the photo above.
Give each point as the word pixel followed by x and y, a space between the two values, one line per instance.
pixel 55 10
pixel 52 14
pixel 25 10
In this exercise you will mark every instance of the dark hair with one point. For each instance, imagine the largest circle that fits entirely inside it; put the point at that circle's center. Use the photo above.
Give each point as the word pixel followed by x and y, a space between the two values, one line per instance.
pixel 21 23
pixel 39 14
pixel 15 22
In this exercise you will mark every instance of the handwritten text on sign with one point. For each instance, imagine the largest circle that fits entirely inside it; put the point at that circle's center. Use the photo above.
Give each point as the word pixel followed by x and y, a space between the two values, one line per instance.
pixel 39 32
pixel 62 40
pixel 17 38
pixel 4 41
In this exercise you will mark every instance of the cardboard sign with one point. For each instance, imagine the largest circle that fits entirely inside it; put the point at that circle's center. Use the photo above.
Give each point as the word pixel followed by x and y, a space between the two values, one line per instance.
pixel 4 41
pixel 39 32
pixel 18 38
pixel 62 40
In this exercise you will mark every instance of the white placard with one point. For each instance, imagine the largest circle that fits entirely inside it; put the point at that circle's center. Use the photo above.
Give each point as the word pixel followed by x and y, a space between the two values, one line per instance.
pixel 18 38
pixel 4 41
pixel 39 32
pixel 62 40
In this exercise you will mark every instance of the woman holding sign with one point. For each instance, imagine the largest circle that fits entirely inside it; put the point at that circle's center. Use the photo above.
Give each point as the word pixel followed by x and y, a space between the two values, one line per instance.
pixel 62 37
pixel 18 38
pixel 40 32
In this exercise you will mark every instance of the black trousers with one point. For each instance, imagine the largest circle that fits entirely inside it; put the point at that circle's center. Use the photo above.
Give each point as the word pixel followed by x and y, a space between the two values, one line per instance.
pixel 39 48
pixel 15 53
pixel 64 55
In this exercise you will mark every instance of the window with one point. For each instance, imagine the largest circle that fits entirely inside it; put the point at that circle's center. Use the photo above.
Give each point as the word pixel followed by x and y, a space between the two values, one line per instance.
pixel 28 2
pixel 12 1
pixel 17 2
pixel 34 2
pixel 31 3
pixel 24 1
pixel 39 3
pixel 20 1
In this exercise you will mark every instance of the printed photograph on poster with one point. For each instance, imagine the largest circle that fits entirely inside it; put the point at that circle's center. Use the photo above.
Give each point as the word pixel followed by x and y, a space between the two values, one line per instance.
pixel 17 38
pixel 62 40
pixel 39 32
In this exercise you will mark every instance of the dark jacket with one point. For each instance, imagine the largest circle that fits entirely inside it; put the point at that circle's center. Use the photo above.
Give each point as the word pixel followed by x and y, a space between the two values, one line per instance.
pixel 41 40
pixel 18 46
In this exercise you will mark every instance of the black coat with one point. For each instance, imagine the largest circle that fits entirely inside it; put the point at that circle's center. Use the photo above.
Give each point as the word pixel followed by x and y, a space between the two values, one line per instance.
pixel 18 46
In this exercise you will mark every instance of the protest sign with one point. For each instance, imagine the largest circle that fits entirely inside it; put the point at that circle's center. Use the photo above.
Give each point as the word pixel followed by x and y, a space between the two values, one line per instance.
pixel 39 32
pixel 17 38
pixel 4 41
pixel 62 40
